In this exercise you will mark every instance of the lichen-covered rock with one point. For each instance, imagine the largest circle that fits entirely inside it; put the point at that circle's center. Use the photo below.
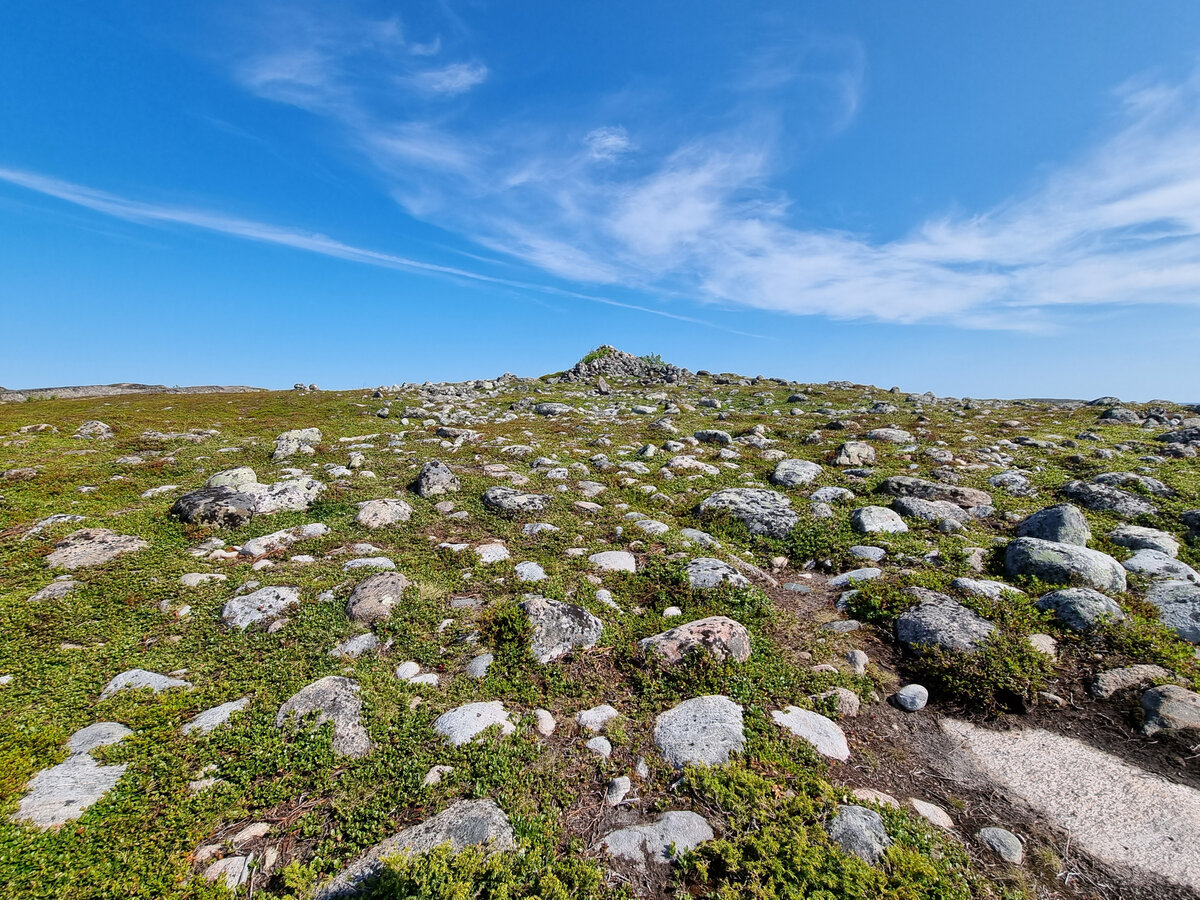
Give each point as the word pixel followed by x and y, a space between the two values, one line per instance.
pixel 705 573
pixel 719 636
pixel 1080 609
pixel 1105 498
pixel 762 511
pixel 1063 523
pixel 374 598
pixel 382 513
pixel 703 730
pixel 907 486
pixel 264 605
pixel 941 621
pixel 92 547
pixel 330 699
pixel 558 628
pixel 511 502
pixel 860 832
pixel 435 478
pixel 795 472
pixel 463 824
pixel 1056 563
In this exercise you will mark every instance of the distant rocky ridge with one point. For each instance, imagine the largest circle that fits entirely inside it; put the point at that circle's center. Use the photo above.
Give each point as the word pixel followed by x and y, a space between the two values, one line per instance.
pixel 111 390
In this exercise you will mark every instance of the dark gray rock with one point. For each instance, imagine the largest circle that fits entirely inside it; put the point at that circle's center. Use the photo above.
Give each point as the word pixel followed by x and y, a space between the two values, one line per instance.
pixel 374 598
pixel 435 478
pixel 860 832
pixel 1056 563
pixel 941 621
pixel 1064 524
pixel 559 628
pixel 1080 609
pixel 907 486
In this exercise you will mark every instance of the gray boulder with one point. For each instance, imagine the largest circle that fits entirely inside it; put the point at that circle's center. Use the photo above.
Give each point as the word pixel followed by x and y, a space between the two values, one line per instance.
pixel 1003 843
pixel 1178 605
pixel 1064 524
pixel 435 478
pixel 907 486
pixel 330 699
pixel 761 511
pixel 298 440
pixel 374 598
pixel 877 520
pixel 930 510
pixel 854 453
pixel 264 605
pixel 1158 566
pixel 1135 537
pixel 137 679
pixel 657 843
pixel 62 793
pixel 794 472
pixel 92 547
pixel 559 628
pixel 1080 609
pixel 941 621
pixel 464 723
pixel 1170 707
pixel 1056 563
pixel 466 823
pixel 511 502
pixel 1104 498
pixel 704 573
pixel 860 832
pixel 703 730
pixel 382 513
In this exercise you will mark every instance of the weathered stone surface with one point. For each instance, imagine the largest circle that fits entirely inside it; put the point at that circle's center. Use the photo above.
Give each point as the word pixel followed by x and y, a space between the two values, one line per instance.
pixel 136 679
pixel 650 844
pixel 940 621
pixel 1178 605
pixel 435 478
pixel 795 472
pixel 279 540
pixel 719 636
pixel 62 793
pixel 704 573
pixel 854 453
pixel 1064 524
pixel 1156 565
pixel 220 506
pixel 930 510
pixel 761 511
pixel 211 719
pixel 382 513
pixel 1170 707
pixel 824 734
pixel 1114 811
pixel 559 628
pixel 1135 537
pixel 614 561
pixel 907 486
pixel 232 477
pixel 330 699
pixel 1080 609
pixel 1056 563
pixel 703 730
pixel 374 598
pixel 264 605
pixel 860 832
pixel 877 520
pixel 1114 680
pixel 298 440
pixel 510 501
pixel 465 723
pixel 1003 843
pixel 466 823
pixel 92 547
pixel 1105 498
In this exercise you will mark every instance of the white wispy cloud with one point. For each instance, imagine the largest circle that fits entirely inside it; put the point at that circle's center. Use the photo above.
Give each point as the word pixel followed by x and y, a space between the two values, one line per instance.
pixel 452 79
pixel 607 143
pixel 144 213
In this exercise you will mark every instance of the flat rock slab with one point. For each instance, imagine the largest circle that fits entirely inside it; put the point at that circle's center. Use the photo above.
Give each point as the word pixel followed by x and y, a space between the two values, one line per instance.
pixel 92 547
pixel 264 605
pixel 650 844
pixel 1117 813
pixel 467 823
pixel 61 793
pixel 823 733
pixel 465 723
pixel 135 679
pixel 762 512
pixel 211 719
pixel 704 573
pixel 278 540
pixel 704 730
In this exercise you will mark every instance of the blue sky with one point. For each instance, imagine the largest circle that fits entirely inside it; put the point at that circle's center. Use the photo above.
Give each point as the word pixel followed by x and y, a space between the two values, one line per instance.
pixel 980 199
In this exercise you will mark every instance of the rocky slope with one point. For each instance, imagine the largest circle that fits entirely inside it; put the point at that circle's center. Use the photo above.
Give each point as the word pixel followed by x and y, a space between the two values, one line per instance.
pixel 626 630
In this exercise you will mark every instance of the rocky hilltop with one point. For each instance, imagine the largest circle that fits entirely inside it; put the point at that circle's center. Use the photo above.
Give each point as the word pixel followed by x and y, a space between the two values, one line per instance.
pixel 621 631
